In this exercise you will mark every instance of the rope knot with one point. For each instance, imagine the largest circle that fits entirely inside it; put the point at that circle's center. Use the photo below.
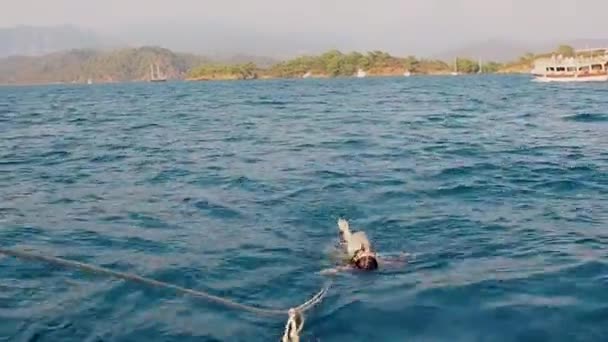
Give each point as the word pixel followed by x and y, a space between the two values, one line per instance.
pixel 295 324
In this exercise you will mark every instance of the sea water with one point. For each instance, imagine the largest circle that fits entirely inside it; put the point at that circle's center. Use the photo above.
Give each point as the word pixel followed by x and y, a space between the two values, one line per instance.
pixel 496 186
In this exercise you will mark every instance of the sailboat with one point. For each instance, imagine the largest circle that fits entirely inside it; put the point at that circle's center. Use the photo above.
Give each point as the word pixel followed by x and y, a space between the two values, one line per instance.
pixel 361 73
pixel 455 72
pixel 307 75
pixel 407 73
pixel 155 75
pixel 480 68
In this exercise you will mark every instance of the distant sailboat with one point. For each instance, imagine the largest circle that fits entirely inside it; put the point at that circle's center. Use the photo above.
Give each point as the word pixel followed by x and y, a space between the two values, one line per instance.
pixel 480 68
pixel 89 81
pixel 307 75
pixel 407 73
pixel 361 73
pixel 155 75
pixel 455 72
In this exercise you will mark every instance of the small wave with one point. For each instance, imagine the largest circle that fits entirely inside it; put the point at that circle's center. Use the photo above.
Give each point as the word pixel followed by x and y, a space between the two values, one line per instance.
pixel 169 175
pixel 63 200
pixel 148 221
pixel 116 147
pixel 78 120
pixel 461 110
pixel 455 190
pixel 587 117
pixel 267 102
pixel 532 150
pixel 324 174
pixel 561 185
pixel 435 118
pixel 348 143
pixel 246 183
pixel 53 157
pixel 465 151
pixel 287 196
pixel 13 159
pixel 465 170
pixel 182 96
pixel 107 158
pixel 142 126
pixel 303 146
pixel 55 154
pixel 216 210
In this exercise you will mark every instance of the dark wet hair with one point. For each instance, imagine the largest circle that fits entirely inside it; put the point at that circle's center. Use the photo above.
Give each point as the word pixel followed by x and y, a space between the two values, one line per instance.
pixel 368 263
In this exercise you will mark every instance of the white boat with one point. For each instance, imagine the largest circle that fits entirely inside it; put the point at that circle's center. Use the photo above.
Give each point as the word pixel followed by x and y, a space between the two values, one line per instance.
pixel 407 73
pixel 89 81
pixel 307 75
pixel 155 74
pixel 455 72
pixel 361 73
pixel 598 78
pixel 580 68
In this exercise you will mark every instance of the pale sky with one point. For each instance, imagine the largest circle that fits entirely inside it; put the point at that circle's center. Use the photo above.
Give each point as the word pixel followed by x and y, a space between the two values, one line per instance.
pixel 393 25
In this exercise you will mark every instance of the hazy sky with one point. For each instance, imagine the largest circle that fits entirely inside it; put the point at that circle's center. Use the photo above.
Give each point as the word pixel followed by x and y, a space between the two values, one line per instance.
pixel 394 25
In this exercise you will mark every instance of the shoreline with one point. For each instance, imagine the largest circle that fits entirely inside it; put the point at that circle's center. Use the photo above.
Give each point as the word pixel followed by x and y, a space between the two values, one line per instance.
pixel 270 78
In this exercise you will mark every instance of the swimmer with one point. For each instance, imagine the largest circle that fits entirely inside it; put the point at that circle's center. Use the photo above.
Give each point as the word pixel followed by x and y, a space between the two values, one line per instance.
pixel 359 251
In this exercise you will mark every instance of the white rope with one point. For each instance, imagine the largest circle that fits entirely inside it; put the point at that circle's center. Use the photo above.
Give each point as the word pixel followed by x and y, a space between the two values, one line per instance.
pixel 294 326
pixel 295 322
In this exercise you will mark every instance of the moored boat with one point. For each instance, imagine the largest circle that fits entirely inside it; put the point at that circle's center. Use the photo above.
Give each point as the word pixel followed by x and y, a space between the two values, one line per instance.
pixel 155 74
pixel 583 67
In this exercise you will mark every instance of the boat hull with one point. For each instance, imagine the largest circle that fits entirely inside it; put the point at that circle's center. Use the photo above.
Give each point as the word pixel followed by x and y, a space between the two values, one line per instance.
pixel 589 78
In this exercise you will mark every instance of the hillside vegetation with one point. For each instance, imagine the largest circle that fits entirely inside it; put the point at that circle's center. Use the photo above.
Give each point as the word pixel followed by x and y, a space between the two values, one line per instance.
pixel 80 65
pixel 133 64
pixel 223 72
pixel 376 63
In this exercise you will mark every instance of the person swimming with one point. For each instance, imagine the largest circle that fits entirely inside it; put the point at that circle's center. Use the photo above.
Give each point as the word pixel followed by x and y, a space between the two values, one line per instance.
pixel 359 252
pixel 358 248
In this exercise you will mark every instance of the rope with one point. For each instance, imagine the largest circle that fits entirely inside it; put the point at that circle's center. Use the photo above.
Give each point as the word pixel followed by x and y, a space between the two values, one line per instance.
pixel 295 322
pixel 294 326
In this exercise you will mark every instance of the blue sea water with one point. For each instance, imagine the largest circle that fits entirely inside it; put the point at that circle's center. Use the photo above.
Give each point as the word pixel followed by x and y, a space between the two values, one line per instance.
pixel 496 186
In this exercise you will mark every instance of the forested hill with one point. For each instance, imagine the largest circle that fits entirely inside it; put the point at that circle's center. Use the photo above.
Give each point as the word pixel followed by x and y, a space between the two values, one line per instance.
pixel 133 64
pixel 335 63
pixel 130 64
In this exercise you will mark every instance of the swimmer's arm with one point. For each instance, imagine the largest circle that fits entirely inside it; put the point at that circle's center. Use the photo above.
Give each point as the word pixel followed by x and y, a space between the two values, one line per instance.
pixel 335 270
pixel 400 260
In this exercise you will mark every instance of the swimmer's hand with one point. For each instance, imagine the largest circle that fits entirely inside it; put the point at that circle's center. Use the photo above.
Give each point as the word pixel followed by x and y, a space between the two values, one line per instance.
pixel 335 270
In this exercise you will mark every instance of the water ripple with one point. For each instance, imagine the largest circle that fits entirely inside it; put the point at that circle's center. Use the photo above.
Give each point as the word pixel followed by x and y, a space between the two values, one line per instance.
pixel 495 188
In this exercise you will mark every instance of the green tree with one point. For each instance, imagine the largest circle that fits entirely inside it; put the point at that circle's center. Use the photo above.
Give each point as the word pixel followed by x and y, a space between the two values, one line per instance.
pixel 491 67
pixel 411 63
pixel 333 66
pixel 467 66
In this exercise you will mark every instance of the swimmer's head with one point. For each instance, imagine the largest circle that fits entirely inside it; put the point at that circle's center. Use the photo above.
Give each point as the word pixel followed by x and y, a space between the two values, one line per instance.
pixel 366 261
